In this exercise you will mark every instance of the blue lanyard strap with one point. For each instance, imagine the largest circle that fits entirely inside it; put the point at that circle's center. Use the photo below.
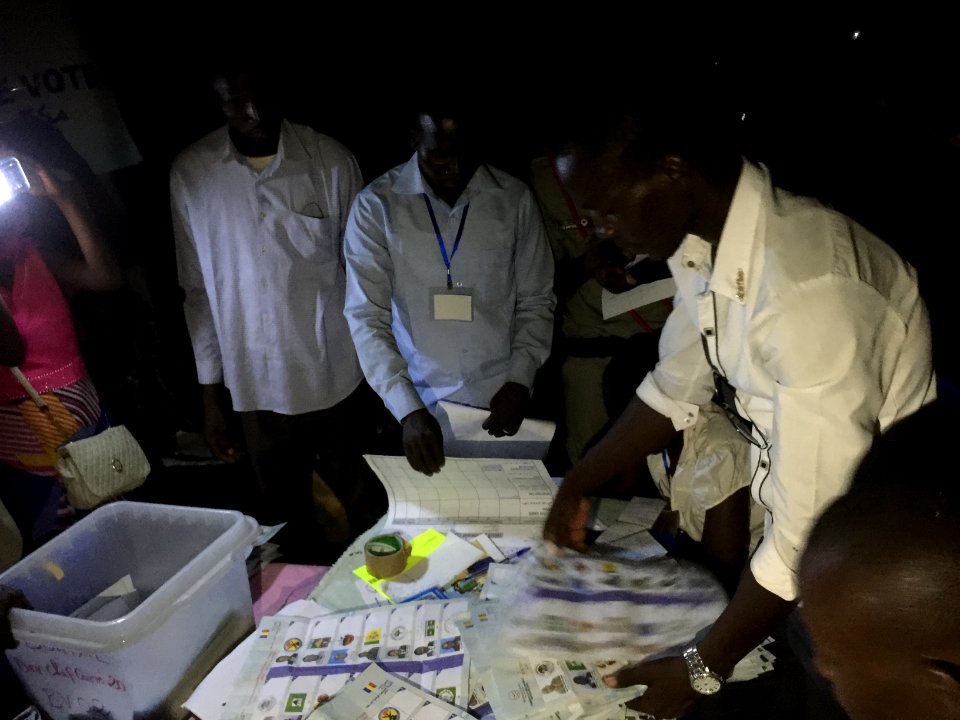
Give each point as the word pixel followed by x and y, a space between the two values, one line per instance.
pixel 456 243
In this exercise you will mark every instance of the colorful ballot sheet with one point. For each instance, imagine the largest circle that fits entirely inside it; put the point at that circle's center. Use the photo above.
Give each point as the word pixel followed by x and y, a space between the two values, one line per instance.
pixel 300 656
pixel 376 694
pixel 600 608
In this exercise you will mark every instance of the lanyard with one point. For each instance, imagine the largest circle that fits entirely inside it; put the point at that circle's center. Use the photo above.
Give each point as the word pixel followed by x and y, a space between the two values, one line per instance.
pixel 456 243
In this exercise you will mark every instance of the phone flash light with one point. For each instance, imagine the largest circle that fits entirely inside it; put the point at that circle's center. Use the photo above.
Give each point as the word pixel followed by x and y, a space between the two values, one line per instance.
pixel 13 180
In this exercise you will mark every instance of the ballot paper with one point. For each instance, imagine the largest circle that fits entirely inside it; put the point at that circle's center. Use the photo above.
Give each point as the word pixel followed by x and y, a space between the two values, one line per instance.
pixel 597 607
pixel 642 511
pixel 499 577
pixel 533 685
pixel 614 304
pixel 376 694
pixel 211 696
pixel 465 436
pixel 468 495
pixel 112 603
pixel 295 658
pixel 755 663
pixel 629 536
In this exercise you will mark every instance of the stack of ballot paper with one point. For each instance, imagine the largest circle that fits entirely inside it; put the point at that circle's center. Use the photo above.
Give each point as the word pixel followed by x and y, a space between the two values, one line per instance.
pixel 534 685
pixel 547 630
pixel 600 607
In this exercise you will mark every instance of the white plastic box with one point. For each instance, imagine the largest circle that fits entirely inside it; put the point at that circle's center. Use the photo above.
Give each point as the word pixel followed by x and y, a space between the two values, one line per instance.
pixel 188 565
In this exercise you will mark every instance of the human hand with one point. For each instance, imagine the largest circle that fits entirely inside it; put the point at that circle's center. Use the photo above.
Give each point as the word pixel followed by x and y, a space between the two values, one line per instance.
pixel 507 409
pixel 566 524
pixel 423 441
pixel 215 431
pixel 668 694
pixel 10 598
pixel 604 262
pixel 44 183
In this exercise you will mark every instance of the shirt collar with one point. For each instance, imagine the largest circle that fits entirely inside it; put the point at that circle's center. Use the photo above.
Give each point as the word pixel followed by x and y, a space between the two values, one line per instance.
pixel 410 182
pixel 288 148
pixel 732 271
pixel 694 253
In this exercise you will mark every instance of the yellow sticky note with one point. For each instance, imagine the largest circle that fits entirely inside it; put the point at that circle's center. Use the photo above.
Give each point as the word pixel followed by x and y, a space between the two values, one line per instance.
pixel 420 547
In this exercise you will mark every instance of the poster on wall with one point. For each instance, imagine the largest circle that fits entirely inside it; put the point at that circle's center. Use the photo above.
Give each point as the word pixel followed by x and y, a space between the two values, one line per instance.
pixel 45 75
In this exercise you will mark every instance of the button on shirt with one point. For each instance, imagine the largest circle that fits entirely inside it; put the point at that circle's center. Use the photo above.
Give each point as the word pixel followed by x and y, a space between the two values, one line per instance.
pixel 821 329
pixel 394 265
pixel 259 258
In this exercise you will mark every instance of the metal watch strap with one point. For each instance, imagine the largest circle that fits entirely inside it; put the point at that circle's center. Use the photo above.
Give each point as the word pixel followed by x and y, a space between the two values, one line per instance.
pixel 700 674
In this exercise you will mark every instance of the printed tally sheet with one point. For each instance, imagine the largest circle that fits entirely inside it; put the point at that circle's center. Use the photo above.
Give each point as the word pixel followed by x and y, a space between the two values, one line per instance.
pixel 466 494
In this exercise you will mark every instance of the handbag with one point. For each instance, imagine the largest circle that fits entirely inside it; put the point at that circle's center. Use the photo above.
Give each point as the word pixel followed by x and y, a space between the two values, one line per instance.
pixel 96 468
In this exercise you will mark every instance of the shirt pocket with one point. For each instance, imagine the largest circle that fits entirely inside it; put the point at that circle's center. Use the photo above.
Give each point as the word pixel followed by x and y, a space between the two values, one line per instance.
pixel 316 239
pixel 497 247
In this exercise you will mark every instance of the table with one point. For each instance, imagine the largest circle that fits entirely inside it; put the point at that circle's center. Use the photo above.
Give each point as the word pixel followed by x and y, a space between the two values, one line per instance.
pixel 337 590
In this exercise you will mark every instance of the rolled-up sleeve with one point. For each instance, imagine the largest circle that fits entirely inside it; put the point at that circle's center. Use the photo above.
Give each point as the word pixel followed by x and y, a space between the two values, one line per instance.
pixel 368 307
pixel 196 304
pixel 533 268
pixel 682 380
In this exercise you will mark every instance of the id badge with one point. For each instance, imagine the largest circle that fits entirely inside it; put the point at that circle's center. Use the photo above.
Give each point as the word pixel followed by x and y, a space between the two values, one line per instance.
pixel 454 303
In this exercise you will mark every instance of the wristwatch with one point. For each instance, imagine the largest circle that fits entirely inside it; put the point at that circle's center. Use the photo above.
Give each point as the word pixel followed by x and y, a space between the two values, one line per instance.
pixel 702 679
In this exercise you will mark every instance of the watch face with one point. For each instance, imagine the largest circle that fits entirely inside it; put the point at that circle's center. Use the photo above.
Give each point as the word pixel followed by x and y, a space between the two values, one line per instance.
pixel 705 684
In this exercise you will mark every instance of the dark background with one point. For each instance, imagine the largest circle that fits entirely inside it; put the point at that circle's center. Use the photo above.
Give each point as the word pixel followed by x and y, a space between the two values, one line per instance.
pixel 857 107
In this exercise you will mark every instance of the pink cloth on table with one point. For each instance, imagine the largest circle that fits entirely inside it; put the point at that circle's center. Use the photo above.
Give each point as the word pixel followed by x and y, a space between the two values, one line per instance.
pixel 279 584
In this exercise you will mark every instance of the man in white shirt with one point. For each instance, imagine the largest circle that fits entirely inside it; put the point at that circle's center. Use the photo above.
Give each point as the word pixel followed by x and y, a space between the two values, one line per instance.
pixel 809 329
pixel 449 287
pixel 259 208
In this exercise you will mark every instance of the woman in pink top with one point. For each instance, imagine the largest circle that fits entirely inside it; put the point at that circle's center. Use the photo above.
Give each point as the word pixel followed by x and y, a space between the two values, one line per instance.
pixel 37 335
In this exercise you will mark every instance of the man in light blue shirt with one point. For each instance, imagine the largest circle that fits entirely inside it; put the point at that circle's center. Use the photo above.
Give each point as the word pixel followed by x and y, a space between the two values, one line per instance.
pixel 449 287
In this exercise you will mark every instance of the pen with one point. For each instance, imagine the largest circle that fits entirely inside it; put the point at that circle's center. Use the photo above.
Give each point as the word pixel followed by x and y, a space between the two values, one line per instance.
pixel 518 553
pixel 481 565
